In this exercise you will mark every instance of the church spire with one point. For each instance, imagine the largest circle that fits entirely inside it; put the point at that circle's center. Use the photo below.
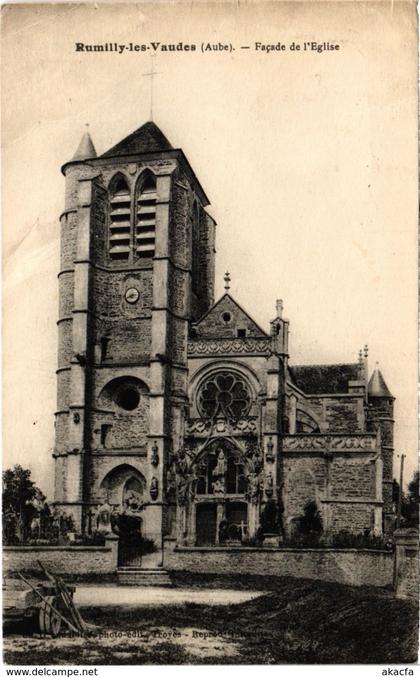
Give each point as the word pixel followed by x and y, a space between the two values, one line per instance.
pixel 85 149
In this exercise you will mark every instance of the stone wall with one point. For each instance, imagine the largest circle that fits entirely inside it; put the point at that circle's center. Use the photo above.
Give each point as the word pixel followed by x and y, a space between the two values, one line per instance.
pixel 207 258
pixel 406 581
pixel 349 516
pixel 127 428
pixel 341 414
pixel 127 327
pixel 353 567
pixel 304 481
pixel 63 559
pixel 344 484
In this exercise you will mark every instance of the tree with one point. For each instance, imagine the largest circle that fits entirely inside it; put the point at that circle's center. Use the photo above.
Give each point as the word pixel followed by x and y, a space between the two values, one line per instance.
pixel 19 494
pixel 270 518
pixel 395 492
pixel 310 523
pixel 410 505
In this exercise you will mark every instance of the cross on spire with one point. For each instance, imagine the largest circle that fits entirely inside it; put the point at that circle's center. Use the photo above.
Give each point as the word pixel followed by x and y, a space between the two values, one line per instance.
pixel 151 75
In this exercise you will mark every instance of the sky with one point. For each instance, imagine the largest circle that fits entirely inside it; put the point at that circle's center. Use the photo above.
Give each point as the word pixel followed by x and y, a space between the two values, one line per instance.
pixel 309 160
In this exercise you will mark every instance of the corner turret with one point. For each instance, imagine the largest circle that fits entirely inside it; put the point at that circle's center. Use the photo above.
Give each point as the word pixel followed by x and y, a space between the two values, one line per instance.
pixel 380 416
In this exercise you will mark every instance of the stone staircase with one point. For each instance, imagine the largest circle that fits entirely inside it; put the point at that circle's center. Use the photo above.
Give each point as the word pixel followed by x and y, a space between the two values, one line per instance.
pixel 139 576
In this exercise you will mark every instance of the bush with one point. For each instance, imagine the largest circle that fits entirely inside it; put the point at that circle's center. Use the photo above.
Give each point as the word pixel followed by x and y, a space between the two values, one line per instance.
pixel 147 546
pixel 309 540
pixel 42 541
pixel 234 532
pixel 253 541
pixel 307 529
pixel 348 539
pixel 270 519
pixel 95 539
pixel 310 523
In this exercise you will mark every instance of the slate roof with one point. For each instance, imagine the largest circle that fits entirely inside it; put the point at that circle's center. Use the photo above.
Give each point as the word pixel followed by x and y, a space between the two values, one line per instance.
pixel 377 386
pixel 146 139
pixel 318 379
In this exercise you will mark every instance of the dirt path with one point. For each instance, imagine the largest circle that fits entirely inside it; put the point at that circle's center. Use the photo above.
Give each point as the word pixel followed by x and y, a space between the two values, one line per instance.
pixel 87 596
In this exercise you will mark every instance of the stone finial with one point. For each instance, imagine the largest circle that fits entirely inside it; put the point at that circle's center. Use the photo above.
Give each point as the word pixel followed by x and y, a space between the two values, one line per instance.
pixel 366 351
pixel 227 281
pixel 279 307
pixel 360 356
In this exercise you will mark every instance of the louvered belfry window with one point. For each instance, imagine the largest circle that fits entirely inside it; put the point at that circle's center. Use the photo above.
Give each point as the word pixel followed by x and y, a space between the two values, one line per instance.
pixel 128 240
pixel 145 217
pixel 120 219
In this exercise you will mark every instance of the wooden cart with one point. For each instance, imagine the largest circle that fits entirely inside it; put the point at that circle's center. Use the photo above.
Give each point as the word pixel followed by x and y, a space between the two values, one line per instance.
pixel 43 603
pixel 50 602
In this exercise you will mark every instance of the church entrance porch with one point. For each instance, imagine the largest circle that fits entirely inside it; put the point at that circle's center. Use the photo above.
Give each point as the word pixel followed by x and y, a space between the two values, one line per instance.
pixel 220 496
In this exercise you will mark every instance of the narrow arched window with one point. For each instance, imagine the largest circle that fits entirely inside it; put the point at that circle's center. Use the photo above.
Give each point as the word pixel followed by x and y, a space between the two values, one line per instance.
pixel 145 217
pixel 120 221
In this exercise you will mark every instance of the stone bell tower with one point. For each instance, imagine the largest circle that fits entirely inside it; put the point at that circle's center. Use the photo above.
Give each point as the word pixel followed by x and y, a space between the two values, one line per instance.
pixel 137 265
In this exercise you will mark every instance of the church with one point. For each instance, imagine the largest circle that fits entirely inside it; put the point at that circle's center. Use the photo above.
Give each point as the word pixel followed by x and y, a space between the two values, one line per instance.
pixel 179 406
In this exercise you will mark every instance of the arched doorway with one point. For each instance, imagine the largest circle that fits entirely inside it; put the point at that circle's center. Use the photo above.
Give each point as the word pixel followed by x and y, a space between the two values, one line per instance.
pixel 122 483
pixel 220 510
pixel 124 488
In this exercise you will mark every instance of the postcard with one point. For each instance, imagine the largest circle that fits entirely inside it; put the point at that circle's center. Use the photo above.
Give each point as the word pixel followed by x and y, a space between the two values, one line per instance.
pixel 210 334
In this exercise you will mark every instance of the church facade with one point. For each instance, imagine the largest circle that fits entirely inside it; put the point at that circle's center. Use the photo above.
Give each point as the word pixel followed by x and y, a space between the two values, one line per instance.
pixel 181 407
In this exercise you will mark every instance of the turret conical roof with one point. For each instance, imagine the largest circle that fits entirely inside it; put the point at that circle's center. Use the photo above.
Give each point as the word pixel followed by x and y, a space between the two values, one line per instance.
pixel 85 149
pixel 377 386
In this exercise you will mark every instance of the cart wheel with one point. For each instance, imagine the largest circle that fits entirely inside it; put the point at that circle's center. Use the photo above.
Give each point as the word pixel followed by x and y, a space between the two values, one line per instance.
pixel 49 622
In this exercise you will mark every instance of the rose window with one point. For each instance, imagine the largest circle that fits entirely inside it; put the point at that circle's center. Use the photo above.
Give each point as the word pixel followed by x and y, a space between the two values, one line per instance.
pixel 226 395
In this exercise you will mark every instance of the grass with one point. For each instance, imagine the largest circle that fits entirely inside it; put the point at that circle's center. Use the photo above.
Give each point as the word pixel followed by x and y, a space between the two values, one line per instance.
pixel 296 621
